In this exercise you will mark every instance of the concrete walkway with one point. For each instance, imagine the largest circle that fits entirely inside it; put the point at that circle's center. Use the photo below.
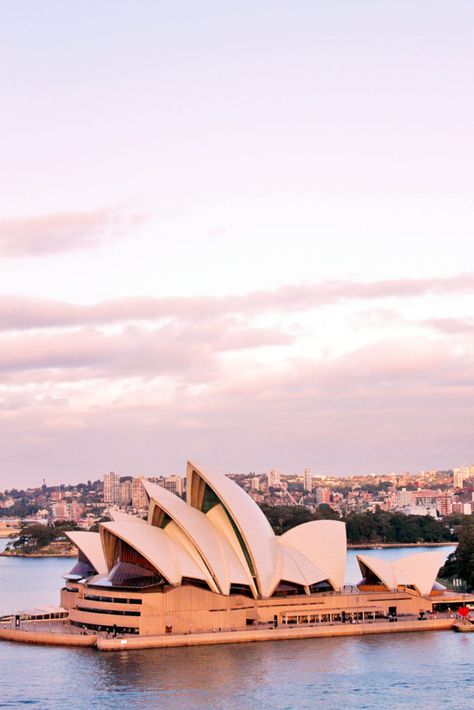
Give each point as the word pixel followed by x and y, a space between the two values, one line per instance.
pixel 278 634
pixel 65 636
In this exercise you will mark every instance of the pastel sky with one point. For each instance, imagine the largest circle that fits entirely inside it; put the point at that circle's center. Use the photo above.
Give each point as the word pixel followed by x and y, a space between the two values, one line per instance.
pixel 236 232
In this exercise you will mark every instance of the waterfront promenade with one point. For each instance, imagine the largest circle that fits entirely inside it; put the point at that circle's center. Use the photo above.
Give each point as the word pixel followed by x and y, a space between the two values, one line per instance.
pixel 59 634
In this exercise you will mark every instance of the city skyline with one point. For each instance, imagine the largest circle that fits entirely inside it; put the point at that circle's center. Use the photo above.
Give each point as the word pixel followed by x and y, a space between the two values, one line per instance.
pixel 240 233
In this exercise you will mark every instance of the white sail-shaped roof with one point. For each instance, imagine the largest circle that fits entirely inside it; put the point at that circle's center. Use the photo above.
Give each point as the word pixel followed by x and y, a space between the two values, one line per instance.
pixel 91 546
pixel 381 568
pixel 237 562
pixel 322 542
pixel 171 560
pixel 297 568
pixel 182 540
pixel 419 570
pixel 256 535
pixel 118 515
pixel 209 546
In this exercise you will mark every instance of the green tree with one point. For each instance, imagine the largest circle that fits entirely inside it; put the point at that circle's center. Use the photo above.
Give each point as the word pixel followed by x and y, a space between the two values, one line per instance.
pixel 465 552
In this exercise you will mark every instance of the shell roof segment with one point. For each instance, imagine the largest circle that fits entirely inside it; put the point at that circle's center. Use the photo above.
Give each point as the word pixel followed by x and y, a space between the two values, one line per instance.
pixel 381 568
pixel 213 548
pixel 419 570
pixel 297 568
pixel 324 544
pixel 89 543
pixel 171 560
pixel 251 527
pixel 118 515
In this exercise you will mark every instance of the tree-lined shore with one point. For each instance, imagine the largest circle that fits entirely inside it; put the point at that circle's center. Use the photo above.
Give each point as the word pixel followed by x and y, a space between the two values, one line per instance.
pixel 378 528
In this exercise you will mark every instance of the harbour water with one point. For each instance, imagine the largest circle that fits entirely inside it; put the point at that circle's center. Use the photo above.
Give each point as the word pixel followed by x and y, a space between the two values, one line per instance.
pixel 399 670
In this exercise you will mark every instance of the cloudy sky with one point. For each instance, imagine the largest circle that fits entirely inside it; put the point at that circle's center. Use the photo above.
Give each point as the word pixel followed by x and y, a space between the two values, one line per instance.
pixel 237 232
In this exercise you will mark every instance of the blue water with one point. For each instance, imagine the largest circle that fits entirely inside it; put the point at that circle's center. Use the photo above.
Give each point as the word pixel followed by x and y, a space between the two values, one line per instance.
pixel 402 670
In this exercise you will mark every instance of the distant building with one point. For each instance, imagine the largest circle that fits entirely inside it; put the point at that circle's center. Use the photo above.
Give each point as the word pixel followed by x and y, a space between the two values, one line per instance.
pixel 139 497
pixel 445 504
pixel 58 511
pixel 404 497
pixel 112 488
pixel 323 496
pixel 61 511
pixel 307 480
pixel 462 508
pixel 255 483
pixel 458 477
pixel 426 498
pixel 273 478
pixel 175 484
pixel 430 510
pixel 126 493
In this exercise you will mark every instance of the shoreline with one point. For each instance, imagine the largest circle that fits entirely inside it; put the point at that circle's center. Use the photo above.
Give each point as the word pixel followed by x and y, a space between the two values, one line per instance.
pixel 39 555
pixel 388 545
pixel 66 638
pixel 358 546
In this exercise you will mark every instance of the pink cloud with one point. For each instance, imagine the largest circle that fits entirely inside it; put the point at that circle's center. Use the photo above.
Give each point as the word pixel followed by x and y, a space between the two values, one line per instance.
pixel 451 326
pixel 62 232
pixel 24 313
pixel 184 351
pixel 165 386
pixel 395 405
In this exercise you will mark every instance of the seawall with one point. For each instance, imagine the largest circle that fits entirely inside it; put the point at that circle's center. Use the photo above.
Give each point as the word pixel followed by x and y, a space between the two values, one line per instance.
pixel 47 638
pixel 279 634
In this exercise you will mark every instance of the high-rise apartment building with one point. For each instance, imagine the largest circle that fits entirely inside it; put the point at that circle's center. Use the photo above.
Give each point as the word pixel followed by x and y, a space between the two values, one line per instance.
pixel 126 493
pixel 459 477
pixel 273 478
pixel 307 480
pixel 323 495
pixel 139 497
pixel 112 488
pixel 445 504
pixel 175 484
pixel 404 497
pixel 62 511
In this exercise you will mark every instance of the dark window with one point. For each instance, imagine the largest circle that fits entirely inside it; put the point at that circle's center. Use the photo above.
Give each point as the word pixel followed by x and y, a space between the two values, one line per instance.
pixel 132 570
pixel 209 499
pixel 242 589
pixel 83 567
pixel 370 578
pixel 111 629
pixel 112 600
pixel 116 612
pixel 319 587
pixel 285 589
pixel 130 576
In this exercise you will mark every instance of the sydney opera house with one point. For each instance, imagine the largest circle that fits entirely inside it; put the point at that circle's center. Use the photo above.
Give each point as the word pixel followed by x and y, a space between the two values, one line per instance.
pixel 214 563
